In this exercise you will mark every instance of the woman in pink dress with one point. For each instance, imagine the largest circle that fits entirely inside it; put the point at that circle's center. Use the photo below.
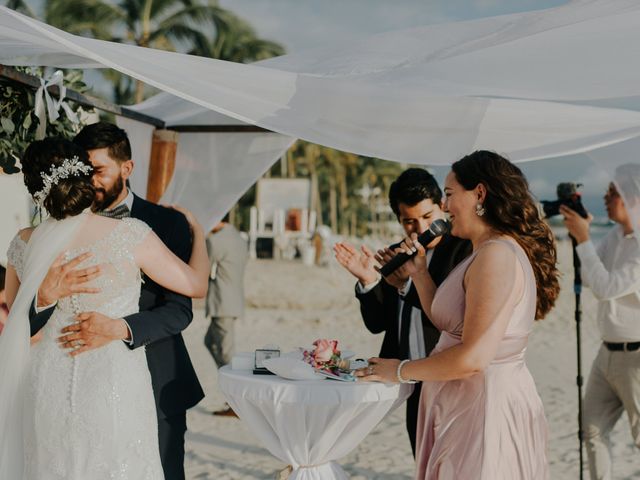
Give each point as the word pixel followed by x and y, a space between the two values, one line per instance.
pixel 480 415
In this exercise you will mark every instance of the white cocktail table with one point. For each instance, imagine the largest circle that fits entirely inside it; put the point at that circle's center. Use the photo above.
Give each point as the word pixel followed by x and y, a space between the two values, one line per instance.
pixel 309 423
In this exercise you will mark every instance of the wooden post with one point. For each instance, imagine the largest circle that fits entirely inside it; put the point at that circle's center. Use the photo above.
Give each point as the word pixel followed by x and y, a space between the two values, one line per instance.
pixel 162 163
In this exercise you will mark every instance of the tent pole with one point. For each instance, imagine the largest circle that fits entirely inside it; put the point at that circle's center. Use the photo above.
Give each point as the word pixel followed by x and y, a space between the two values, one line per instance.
pixel 32 81
pixel 162 163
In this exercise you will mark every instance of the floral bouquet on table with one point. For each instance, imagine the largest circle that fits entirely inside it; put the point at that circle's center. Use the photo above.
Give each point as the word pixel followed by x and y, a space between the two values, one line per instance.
pixel 327 359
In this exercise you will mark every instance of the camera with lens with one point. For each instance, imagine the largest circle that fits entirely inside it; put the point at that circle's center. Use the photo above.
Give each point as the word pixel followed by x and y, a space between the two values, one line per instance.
pixel 567 195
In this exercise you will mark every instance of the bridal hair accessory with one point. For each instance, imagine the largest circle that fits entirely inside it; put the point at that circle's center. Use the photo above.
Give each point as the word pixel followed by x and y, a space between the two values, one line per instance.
pixel 479 209
pixel 70 167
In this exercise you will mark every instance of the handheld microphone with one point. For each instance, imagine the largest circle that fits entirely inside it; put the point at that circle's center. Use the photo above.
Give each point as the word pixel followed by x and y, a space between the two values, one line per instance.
pixel 436 229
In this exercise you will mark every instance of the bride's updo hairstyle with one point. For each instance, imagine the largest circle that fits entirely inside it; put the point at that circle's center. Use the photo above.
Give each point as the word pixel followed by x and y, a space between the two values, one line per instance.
pixel 510 209
pixel 68 190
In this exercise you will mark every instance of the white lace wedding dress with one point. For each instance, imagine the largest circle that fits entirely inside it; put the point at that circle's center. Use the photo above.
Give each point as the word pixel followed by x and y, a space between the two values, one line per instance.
pixel 92 417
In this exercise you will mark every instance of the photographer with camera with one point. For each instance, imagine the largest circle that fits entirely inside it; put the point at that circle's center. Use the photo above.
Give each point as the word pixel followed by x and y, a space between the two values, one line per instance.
pixel 612 271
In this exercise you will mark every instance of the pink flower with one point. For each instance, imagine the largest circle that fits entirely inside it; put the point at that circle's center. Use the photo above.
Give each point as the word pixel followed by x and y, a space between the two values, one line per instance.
pixel 325 349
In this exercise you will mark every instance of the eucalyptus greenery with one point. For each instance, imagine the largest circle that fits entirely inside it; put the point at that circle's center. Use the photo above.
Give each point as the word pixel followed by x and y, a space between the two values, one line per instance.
pixel 18 122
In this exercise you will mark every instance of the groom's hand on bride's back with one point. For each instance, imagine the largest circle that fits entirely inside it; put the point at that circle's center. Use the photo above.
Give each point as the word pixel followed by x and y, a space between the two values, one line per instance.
pixel 92 330
pixel 64 279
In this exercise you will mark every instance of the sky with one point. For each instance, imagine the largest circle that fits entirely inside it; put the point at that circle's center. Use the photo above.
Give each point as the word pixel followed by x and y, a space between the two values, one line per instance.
pixel 305 24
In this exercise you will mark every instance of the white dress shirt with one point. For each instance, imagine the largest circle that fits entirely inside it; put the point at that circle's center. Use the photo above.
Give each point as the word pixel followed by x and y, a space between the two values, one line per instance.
pixel 128 201
pixel 612 271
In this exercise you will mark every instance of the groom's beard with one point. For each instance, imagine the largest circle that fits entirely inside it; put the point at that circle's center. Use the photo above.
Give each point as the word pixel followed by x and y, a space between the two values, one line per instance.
pixel 104 198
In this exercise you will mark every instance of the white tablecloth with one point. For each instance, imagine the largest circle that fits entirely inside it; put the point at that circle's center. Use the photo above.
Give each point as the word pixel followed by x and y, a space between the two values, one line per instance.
pixel 311 423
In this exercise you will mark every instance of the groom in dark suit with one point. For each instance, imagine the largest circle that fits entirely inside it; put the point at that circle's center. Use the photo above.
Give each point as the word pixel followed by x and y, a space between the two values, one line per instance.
pixel 391 304
pixel 163 314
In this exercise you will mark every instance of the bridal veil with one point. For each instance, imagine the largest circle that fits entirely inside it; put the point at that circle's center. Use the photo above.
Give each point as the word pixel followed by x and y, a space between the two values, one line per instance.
pixel 46 243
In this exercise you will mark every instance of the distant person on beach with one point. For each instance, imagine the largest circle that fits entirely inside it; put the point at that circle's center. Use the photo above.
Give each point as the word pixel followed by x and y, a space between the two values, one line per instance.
pixel 225 298
pixel 4 310
pixel 416 200
pixel 480 415
pixel 612 271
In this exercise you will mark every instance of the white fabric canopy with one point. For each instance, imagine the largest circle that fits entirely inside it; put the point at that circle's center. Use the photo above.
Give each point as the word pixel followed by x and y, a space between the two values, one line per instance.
pixel 426 95
pixel 213 170
pixel 519 84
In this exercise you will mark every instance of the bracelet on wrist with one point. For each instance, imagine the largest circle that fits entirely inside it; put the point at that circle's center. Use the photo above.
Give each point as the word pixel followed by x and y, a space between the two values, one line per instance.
pixel 399 373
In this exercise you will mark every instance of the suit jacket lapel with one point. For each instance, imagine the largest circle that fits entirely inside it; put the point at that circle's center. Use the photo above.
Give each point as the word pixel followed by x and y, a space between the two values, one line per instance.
pixel 136 206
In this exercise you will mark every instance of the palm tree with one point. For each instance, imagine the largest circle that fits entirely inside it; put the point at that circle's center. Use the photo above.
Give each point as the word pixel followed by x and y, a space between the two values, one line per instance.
pixel 162 24
pixel 237 41
pixel 21 7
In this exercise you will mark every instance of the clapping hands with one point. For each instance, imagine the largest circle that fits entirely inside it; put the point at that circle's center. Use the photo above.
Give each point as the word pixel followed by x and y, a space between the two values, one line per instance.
pixel 364 264
pixel 361 264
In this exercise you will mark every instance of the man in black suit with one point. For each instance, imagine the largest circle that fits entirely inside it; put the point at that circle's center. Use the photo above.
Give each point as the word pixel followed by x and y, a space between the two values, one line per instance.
pixel 163 314
pixel 391 305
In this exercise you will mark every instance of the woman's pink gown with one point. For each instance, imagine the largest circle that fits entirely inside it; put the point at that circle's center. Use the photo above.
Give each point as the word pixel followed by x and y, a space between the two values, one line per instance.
pixel 490 426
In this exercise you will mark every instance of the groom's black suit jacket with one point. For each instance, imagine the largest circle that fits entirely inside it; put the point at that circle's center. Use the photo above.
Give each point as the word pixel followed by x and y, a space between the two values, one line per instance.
pixel 162 317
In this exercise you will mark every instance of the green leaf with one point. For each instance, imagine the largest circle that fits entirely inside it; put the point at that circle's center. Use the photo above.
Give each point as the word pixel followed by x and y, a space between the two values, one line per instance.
pixel 7 125
pixel 26 124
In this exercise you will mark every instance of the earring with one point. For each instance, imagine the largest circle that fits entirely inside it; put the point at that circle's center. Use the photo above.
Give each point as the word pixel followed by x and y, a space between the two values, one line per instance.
pixel 479 209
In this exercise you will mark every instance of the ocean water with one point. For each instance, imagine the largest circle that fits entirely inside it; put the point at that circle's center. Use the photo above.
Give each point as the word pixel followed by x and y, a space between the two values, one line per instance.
pixel 599 228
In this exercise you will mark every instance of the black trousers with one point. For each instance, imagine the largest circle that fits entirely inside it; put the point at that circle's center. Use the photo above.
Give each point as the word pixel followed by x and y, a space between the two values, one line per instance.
pixel 171 432
pixel 413 403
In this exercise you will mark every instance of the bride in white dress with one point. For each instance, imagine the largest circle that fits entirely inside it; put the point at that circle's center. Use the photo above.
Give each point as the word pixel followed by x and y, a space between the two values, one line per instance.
pixel 90 416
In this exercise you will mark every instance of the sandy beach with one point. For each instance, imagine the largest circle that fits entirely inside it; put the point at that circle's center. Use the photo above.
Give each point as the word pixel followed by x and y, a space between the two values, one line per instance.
pixel 290 305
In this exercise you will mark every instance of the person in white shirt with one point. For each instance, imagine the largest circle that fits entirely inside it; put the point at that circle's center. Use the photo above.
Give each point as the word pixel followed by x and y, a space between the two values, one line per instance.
pixel 612 271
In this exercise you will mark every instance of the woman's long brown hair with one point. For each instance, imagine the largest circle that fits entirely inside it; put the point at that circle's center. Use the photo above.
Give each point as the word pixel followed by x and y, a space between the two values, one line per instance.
pixel 511 210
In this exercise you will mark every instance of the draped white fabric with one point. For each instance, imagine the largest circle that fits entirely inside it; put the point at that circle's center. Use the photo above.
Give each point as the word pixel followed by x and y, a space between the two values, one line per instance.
pixel 46 243
pixel 213 170
pixel 426 95
pixel 309 423
pixel 622 162
pixel 140 135
pixel 529 85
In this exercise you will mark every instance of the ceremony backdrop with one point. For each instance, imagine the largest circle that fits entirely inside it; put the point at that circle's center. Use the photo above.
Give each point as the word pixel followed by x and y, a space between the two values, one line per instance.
pixel 529 85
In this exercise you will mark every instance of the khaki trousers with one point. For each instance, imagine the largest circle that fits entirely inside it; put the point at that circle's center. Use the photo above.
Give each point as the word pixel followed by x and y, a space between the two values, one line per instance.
pixel 613 387
pixel 219 339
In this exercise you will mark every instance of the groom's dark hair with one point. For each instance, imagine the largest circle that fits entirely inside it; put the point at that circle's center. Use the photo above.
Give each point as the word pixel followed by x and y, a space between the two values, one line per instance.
pixel 105 135
pixel 413 186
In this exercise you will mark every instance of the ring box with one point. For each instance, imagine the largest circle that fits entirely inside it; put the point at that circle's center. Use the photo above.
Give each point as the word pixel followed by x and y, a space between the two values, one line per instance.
pixel 261 355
